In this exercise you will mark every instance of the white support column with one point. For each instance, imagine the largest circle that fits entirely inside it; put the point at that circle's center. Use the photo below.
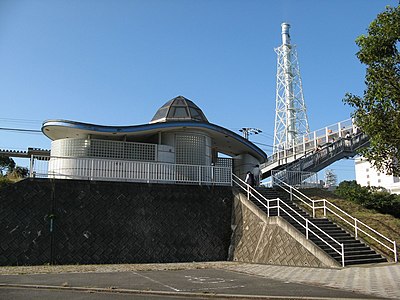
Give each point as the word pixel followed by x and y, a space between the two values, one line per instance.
pixel 31 162
pixel 326 135
pixel 356 228
pixel 342 255
pixel 307 229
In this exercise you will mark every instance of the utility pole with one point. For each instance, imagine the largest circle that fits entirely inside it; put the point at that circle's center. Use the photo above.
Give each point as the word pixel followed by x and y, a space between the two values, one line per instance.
pixel 246 131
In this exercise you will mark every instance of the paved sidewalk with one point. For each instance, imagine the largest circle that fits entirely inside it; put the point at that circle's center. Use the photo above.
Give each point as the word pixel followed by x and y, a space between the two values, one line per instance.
pixel 378 280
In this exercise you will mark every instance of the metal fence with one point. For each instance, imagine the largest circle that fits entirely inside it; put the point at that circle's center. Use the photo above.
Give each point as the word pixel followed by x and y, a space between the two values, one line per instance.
pixel 296 178
pixel 125 170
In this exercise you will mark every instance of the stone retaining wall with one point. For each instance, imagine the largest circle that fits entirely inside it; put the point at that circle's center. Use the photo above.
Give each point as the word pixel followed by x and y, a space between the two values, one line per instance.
pixel 45 221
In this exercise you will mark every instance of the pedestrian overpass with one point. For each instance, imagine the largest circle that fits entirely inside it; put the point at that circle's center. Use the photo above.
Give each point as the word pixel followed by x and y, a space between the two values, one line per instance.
pixel 315 151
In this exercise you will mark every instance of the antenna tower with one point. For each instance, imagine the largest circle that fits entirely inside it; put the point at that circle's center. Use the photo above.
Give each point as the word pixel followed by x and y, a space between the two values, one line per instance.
pixel 290 114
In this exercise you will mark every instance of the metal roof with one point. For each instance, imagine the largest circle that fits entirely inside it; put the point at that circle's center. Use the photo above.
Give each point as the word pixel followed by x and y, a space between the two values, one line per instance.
pixel 179 109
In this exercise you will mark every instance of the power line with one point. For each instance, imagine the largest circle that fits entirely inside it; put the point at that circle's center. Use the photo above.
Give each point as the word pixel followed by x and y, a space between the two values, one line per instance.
pixel 263 144
pixel 21 130
pixel 17 119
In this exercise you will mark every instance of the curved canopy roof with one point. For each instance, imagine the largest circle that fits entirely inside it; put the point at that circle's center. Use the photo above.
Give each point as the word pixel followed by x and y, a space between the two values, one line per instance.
pixel 179 109
pixel 224 140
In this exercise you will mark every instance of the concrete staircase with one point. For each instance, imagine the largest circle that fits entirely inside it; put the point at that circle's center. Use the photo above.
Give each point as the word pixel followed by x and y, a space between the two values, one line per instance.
pixel 356 252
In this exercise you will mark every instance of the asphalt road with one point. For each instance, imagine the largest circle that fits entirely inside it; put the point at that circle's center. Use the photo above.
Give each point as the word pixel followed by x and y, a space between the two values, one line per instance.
pixel 171 284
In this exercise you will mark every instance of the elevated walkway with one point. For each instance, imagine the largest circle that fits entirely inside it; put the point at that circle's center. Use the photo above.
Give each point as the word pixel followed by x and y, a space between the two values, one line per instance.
pixel 317 150
pixel 318 160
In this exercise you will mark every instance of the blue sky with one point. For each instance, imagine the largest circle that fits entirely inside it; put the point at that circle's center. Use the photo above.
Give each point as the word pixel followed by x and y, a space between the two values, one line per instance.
pixel 116 62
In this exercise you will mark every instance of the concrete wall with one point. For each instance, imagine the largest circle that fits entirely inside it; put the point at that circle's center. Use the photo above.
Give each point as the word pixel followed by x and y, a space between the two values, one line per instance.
pixel 258 239
pixel 86 222
pixel 244 163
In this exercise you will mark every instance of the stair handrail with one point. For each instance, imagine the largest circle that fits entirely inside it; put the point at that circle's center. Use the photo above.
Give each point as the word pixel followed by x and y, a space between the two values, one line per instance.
pixel 250 190
pixel 290 191
pixel 356 224
pixel 355 220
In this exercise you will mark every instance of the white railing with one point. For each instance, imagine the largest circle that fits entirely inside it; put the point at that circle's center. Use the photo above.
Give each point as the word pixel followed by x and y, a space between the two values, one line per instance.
pixel 251 192
pixel 357 225
pixel 125 170
pixel 309 142
pixel 296 178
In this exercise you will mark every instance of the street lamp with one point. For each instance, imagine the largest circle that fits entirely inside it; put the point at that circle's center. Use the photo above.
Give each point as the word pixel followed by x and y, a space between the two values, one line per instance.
pixel 247 131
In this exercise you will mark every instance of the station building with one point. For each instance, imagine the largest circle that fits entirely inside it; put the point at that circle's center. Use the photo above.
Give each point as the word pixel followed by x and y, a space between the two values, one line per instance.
pixel 179 145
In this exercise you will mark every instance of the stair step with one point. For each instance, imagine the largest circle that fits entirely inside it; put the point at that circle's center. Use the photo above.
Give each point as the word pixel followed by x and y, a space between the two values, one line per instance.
pixel 364 261
pixel 351 245
pixel 348 256
pixel 323 223
pixel 351 242
pixel 355 251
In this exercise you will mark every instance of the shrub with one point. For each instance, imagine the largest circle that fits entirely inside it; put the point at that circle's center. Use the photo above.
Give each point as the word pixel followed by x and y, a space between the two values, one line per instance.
pixel 370 197
pixel 4 181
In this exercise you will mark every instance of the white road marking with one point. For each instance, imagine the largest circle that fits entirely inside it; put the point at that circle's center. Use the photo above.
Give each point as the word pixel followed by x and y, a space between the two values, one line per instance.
pixel 205 280
pixel 156 281
pixel 215 288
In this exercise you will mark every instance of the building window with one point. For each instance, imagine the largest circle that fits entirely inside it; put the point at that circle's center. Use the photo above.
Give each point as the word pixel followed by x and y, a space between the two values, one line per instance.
pixel 379 181
pixel 103 149
pixel 395 179
pixel 378 174
pixel 190 149
pixel 367 176
pixel 368 183
pixel 366 170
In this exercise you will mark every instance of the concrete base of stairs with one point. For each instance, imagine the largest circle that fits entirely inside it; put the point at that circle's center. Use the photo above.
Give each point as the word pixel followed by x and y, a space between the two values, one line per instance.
pixel 259 239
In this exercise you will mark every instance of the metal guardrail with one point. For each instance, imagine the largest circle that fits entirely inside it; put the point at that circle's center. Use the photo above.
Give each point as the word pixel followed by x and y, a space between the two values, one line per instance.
pixel 341 214
pixel 251 192
pixel 296 178
pixel 125 170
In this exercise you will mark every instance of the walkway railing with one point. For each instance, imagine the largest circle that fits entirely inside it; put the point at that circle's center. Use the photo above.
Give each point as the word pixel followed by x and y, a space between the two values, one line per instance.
pixel 281 206
pixel 125 170
pixel 356 225
pixel 309 142
pixel 296 178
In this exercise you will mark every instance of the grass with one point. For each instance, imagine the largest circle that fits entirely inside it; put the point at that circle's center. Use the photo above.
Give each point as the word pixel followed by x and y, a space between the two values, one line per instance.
pixel 387 225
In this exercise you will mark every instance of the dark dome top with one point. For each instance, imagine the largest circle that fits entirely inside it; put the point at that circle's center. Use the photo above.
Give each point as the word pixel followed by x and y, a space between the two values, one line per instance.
pixel 179 109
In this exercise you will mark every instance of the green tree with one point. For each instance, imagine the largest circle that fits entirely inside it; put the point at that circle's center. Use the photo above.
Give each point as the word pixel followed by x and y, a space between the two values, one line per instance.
pixel 370 197
pixel 18 172
pixel 377 113
pixel 352 191
pixel 7 164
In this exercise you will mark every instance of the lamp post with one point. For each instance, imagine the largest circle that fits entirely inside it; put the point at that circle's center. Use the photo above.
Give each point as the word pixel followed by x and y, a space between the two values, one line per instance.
pixel 247 131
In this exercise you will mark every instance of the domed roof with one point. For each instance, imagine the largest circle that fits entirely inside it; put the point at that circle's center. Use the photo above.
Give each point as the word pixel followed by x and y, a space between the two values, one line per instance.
pixel 179 109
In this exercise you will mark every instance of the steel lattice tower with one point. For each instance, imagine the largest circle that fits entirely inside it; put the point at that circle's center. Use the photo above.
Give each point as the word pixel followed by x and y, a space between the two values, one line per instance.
pixel 291 116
